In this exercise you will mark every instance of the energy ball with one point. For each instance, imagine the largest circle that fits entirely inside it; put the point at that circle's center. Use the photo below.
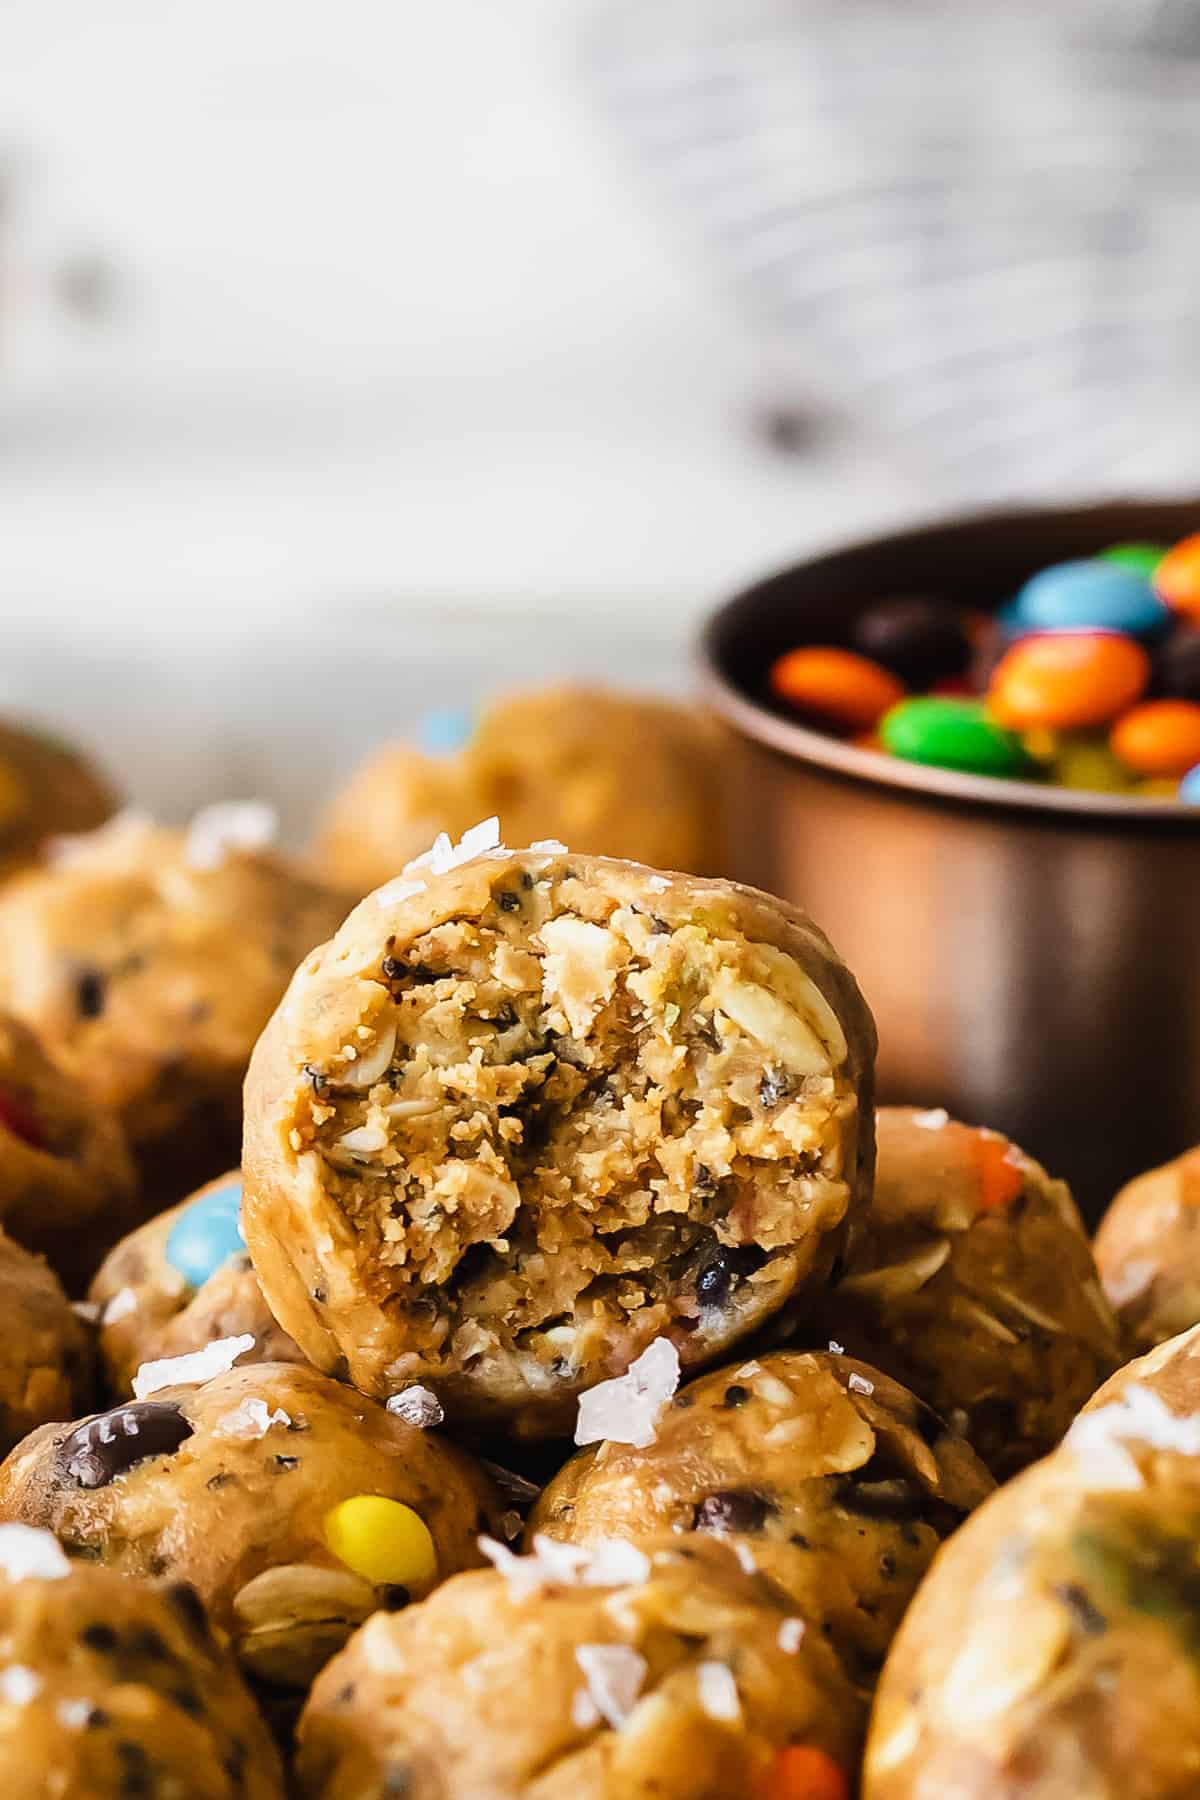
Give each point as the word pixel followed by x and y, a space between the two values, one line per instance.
pixel 46 1356
pixel 67 1185
pixel 1171 1371
pixel 611 774
pixel 668 1673
pixel 149 961
pixel 1052 1650
pixel 1148 1253
pixel 112 1688
pixel 972 1282
pixel 47 788
pixel 529 1111
pixel 830 1478
pixel 179 1282
pixel 292 1505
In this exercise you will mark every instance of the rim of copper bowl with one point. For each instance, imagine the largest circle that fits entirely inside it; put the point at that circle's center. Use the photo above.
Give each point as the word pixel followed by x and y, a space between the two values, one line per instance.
pixel 757 720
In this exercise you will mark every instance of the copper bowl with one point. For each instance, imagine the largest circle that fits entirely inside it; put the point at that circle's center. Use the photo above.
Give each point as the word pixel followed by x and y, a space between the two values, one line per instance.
pixel 1032 954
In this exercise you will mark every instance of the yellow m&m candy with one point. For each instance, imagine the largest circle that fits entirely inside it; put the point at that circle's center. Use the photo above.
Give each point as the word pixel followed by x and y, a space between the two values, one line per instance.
pixel 384 1541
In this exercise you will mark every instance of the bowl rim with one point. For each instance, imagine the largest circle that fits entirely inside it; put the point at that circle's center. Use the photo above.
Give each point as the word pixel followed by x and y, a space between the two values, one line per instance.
pixel 802 744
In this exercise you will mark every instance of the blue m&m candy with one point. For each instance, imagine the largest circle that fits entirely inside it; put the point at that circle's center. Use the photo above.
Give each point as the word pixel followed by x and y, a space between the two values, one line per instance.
pixel 208 1231
pixel 1189 787
pixel 445 730
pixel 1090 596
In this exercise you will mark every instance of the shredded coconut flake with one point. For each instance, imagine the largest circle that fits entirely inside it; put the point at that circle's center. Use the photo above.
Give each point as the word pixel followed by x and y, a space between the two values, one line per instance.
pixel 1139 1417
pixel 250 1419
pixel 216 1358
pixel 858 1384
pixel 790 1635
pixel 615 1675
pixel 718 1692
pixel 615 1563
pixel 26 1553
pixel 87 1310
pixel 19 1685
pixel 745 1557
pixel 936 1119
pixel 627 1409
pixel 123 1302
pixel 418 1406
pixel 658 884
pixel 229 825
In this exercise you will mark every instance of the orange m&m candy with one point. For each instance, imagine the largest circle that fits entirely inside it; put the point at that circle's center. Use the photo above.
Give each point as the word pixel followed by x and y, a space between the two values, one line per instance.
pixel 1067 679
pixel 1177 576
pixel 1000 1178
pixel 1162 737
pixel 837 688
pixel 802 1772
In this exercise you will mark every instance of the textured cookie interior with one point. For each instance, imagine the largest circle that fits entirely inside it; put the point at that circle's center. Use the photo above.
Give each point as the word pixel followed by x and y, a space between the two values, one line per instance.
pixel 564 1122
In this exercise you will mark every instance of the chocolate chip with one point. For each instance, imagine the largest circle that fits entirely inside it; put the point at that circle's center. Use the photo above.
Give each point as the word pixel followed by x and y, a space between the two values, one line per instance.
pixel 507 901
pixel 186 1602
pixel 393 968
pixel 320 1083
pixel 736 1395
pixel 393 1597
pixel 733 1509
pixel 107 1446
pixel 724 1271
pixel 99 1637
pixel 89 993
pixel 287 1462
pixel 1090 1620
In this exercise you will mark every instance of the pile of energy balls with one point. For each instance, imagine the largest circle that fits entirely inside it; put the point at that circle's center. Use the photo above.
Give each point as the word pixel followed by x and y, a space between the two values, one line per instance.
pixel 1088 678
pixel 531 1367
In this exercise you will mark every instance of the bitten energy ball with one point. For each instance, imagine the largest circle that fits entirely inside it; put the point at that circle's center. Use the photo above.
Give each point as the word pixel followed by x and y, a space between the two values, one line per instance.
pixel 67 1186
pixel 831 1479
pixel 292 1505
pixel 1148 1253
pixel 529 1111
pixel 612 774
pixel 973 1283
pixel 112 1688
pixel 46 788
pixel 46 1356
pixel 149 962
pixel 669 1674
pixel 1052 1649
pixel 1171 1371
pixel 181 1281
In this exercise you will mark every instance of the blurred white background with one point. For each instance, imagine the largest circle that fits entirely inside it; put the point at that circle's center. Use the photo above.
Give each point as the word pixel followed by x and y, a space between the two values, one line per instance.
pixel 356 359
pixel 391 320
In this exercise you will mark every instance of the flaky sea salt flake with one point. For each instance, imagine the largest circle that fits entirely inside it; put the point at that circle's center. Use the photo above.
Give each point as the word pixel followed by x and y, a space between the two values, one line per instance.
pixel 615 1675
pixel 229 825
pixel 123 1302
pixel 718 1692
pixel 442 856
pixel 627 1409
pixel 19 1685
pixel 251 1419
pixel 418 1406
pixel 858 1384
pixel 216 1358
pixel 28 1553
pixel 790 1635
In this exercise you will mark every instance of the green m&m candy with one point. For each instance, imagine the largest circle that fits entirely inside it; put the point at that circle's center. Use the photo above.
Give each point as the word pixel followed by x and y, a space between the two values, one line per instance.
pixel 953 734
pixel 1143 558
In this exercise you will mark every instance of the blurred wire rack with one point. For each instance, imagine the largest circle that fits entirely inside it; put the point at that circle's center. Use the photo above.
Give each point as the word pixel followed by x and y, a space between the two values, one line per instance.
pixel 972 228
